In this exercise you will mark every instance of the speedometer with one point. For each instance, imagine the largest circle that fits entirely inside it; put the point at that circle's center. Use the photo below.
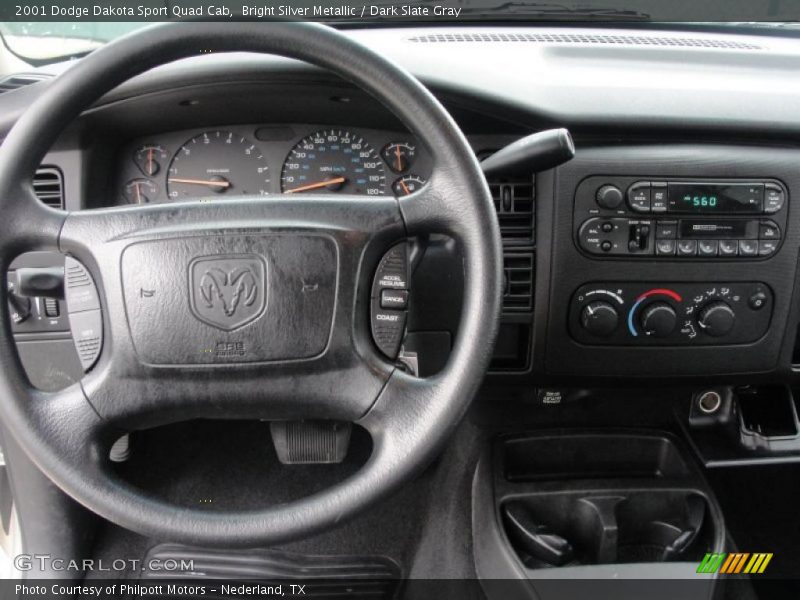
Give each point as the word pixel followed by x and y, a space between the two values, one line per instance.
pixel 217 163
pixel 333 161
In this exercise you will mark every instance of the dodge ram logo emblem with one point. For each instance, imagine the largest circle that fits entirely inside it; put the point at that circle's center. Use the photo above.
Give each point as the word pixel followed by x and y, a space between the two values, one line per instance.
pixel 228 292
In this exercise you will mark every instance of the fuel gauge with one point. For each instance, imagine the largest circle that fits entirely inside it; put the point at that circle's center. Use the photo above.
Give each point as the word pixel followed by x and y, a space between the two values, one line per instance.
pixel 140 191
pixel 407 185
pixel 399 156
pixel 149 158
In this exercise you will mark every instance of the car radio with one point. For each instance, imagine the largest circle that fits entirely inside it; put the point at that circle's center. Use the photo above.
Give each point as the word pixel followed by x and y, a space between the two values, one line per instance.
pixel 678 218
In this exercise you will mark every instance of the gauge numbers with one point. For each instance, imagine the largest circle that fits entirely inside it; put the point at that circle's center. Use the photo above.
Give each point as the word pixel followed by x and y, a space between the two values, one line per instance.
pixel 217 163
pixel 333 161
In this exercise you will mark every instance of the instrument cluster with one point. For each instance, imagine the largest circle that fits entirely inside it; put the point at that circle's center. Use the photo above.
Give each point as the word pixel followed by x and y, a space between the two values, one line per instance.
pixel 230 161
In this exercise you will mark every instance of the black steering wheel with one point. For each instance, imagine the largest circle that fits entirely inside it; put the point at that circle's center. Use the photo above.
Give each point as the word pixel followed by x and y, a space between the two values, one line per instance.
pixel 298 356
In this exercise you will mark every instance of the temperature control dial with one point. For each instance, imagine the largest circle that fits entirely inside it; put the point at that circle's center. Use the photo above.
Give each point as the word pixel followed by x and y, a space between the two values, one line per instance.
pixel 599 318
pixel 716 318
pixel 659 319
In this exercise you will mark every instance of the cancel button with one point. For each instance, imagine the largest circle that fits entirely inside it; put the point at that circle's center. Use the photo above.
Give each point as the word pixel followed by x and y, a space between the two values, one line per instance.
pixel 394 299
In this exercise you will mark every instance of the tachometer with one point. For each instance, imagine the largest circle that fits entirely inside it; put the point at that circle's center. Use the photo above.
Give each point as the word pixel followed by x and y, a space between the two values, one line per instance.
pixel 333 161
pixel 217 163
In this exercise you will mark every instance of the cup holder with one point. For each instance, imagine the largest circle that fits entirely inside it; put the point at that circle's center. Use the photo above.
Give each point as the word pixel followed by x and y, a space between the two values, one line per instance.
pixel 562 529
pixel 588 498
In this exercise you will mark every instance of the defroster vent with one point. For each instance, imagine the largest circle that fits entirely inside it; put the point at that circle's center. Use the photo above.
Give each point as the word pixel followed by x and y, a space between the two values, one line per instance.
pixel 48 183
pixel 9 84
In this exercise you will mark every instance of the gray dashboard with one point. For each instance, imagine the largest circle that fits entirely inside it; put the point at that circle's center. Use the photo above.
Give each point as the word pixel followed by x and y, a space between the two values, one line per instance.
pixel 639 104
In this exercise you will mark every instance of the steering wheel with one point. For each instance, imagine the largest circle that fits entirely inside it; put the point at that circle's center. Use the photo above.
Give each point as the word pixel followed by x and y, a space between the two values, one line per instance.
pixel 296 357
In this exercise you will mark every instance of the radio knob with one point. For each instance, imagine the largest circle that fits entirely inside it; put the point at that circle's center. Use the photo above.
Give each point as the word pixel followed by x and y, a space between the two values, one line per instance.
pixel 716 318
pixel 599 318
pixel 659 319
pixel 609 196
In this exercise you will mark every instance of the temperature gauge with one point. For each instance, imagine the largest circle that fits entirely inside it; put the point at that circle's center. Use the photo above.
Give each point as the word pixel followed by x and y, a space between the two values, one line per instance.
pixel 407 185
pixel 140 191
pixel 399 156
pixel 150 158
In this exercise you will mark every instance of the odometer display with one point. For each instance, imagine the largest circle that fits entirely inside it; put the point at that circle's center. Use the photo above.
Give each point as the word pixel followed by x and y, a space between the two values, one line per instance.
pixel 333 161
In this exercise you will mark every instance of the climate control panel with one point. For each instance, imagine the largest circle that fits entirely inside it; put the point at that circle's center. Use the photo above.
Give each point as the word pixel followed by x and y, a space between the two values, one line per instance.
pixel 670 314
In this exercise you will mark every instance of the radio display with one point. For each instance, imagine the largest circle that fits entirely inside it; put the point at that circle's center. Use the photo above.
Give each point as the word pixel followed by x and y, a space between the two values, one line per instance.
pixel 715 198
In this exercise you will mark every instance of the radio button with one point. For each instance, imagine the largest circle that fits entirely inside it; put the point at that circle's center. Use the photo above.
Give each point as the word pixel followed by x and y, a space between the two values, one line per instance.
pixel 687 247
pixel 773 198
pixel 666 230
pixel 765 248
pixel 658 197
pixel 665 247
pixel 728 248
pixel 768 230
pixel 748 248
pixel 609 196
pixel 639 197
pixel 707 247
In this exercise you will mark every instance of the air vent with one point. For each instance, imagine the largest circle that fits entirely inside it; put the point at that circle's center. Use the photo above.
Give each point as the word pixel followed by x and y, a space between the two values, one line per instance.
pixel 582 38
pixel 518 282
pixel 9 84
pixel 48 183
pixel 514 204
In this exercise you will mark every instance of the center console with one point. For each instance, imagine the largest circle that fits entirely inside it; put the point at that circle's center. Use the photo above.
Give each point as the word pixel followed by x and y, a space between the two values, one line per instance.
pixel 667 260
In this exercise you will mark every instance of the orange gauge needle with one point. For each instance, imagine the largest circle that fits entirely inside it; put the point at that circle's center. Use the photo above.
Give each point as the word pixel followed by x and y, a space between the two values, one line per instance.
pixel 138 194
pixel 399 161
pixel 319 184
pixel 405 187
pixel 210 182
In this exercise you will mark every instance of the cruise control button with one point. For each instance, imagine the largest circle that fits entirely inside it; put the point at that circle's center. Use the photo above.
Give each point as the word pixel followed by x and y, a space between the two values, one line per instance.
pixel 639 197
pixel 707 247
pixel 392 271
pixel 87 335
pixel 748 247
pixel 767 247
pixel 728 248
pixel 773 198
pixel 388 327
pixel 665 247
pixel 394 299
pixel 79 289
pixel 666 230
pixel 687 247
pixel 769 230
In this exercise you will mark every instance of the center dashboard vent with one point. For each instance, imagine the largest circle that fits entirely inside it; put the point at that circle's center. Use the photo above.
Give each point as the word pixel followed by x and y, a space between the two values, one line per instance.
pixel 15 82
pixel 514 203
pixel 583 38
pixel 48 184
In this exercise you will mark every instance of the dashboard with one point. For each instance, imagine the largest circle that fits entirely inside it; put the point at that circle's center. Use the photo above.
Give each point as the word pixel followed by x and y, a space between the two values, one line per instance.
pixel 257 160
pixel 666 248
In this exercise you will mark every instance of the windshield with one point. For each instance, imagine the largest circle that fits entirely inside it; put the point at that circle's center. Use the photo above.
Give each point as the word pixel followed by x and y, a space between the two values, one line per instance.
pixel 65 28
